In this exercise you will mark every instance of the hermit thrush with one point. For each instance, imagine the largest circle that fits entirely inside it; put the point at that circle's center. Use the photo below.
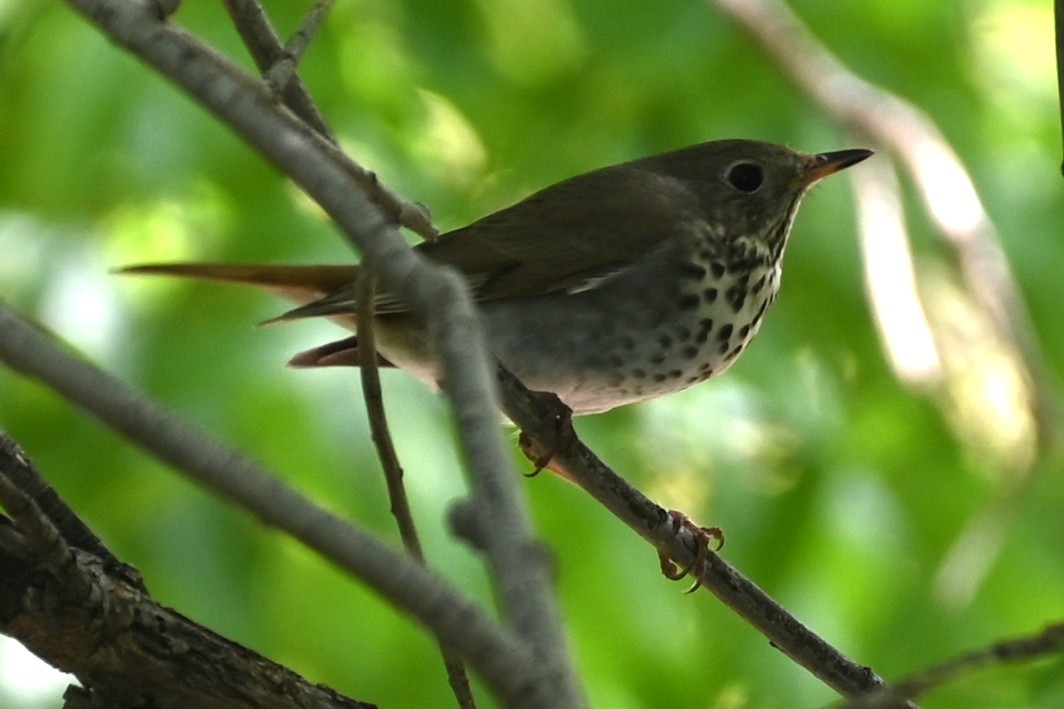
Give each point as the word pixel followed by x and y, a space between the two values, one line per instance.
pixel 616 286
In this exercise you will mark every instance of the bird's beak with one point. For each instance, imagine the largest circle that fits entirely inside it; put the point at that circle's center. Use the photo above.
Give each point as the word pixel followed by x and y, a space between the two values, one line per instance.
pixel 824 164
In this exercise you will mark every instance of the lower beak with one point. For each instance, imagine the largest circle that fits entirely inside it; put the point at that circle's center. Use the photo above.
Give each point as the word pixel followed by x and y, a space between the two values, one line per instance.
pixel 824 164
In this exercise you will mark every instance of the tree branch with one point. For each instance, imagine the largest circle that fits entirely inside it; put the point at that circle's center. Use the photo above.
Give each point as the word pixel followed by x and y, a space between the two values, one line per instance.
pixel 67 604
pixel 948 192
pixel 890 277
pixel 503 662
pixel 367 213
pixel 392 468
pixel 652 523
pixel 1022 649
pixel 265 48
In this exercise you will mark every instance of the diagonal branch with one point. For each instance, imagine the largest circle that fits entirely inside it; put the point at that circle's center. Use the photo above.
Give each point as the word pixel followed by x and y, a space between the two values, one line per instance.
pixel 68 605
pixel 652 523
pixel 455 331
pixel 278 64
pixel 503 662
pixel 1022 649
pixel 890 277
pixel 367 213
pixel 71 528
pixel 262 42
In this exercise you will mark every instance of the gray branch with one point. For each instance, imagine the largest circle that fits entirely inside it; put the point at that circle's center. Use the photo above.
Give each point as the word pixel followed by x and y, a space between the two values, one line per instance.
pixel 503 662
pixel 367 213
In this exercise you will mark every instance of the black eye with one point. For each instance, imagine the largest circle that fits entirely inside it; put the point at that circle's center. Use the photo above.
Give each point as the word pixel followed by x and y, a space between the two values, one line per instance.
pixel 745 176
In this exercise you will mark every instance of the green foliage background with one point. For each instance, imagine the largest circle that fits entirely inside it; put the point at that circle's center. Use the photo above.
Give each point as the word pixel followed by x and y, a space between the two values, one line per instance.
pixel 841 491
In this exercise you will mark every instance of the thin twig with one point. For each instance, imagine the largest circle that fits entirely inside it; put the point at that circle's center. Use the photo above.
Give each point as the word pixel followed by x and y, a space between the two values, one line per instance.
pixel 378 421
pixel 213 80
pixel 392 468
pixel 1023 649
pixel 297 44
pixel 265 48
pixel 279 68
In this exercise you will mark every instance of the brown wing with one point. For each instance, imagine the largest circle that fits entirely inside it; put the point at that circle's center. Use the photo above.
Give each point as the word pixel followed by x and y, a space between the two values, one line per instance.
pixel 568 236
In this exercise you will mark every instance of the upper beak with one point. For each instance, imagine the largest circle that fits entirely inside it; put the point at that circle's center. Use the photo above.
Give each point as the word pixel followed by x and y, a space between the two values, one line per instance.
pixel 824 164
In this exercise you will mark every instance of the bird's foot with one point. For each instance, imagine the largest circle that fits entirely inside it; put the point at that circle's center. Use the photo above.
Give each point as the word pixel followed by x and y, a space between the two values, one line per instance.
pixel 703 537
pixel 564 434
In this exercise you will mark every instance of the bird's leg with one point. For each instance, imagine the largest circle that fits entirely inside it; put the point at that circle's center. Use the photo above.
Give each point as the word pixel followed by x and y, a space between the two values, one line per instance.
pixel 703 536
pixel 564 435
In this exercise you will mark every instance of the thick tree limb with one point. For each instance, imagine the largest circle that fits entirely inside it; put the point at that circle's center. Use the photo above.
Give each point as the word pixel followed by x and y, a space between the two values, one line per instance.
pixel 79 611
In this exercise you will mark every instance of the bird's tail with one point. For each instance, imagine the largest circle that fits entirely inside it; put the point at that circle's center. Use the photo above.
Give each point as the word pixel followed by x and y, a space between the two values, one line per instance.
pixel 299 283
pixel 319 290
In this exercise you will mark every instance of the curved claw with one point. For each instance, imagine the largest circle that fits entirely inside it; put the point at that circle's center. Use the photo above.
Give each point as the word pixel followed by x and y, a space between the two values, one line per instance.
pixel 564 436
pixel 702 536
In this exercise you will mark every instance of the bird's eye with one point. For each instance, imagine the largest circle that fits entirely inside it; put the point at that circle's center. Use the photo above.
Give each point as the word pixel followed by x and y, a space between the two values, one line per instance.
pixel 745 176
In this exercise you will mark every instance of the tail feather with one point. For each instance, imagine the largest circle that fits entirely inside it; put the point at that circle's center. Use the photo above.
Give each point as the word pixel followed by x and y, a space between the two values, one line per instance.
pixel 317 290
pixel 298 283
pixel 342 353
pixel 341 303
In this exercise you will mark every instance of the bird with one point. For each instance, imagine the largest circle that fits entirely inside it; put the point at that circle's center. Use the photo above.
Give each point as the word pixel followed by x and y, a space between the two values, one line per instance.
pixel 616 286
